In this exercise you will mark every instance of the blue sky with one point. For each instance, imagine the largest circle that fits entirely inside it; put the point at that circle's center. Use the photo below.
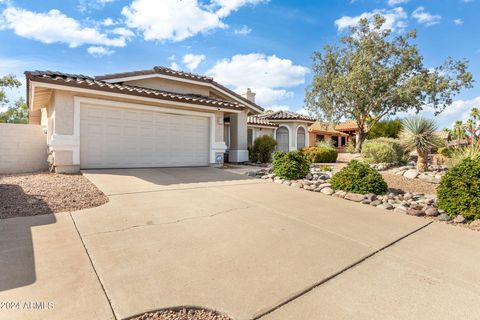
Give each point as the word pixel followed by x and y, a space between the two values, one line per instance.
pixel 265 45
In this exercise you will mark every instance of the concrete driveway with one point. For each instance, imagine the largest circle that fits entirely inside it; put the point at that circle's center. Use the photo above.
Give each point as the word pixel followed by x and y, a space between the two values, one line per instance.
pixel 248 248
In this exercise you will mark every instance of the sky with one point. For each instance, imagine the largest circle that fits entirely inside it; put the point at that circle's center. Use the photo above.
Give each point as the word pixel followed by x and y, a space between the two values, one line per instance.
pixel 265 45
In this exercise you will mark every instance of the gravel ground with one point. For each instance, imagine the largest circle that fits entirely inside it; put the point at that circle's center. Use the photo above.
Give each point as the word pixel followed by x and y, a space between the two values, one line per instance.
pixel 409 185
pixel 183 314
pixel 42 193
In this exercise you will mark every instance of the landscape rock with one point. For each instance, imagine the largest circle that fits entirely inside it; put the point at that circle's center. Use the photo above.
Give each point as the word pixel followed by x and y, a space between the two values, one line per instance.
pixel 385 206
pixel 411 174
pixel 459 219
pixel 340 194
pixel 354 197
pixel 371 196
pixel 415 212
pixel 444 217
pixel 328 191
pixel 431 212
pixel 375 203
pixel 428 178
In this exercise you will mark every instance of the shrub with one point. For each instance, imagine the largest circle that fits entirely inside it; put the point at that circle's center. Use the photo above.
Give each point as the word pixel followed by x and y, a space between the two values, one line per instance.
pixel 459 190
pixel 383 150
pixel 325 144
pixel 444 151
pixel 358 177
pixel 458 155
pixel 350 147
pixel 321 154
pixel 290 165
pixel 262 149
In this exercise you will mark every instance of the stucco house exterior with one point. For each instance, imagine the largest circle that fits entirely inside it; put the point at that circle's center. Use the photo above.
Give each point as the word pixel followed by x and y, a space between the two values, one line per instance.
pixel 158 117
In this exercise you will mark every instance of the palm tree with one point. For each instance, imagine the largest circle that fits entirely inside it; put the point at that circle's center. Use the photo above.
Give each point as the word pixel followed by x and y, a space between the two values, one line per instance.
pixel 459 131
pixel 419 134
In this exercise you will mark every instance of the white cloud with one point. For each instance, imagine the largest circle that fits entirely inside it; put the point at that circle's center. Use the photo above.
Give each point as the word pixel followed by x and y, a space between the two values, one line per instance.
pixel 396 2
pixel 85 5
pixel 124 32
pixel 228 6
pixel 395 19
pixel 268 76
pixel 278 108
pixel 98 51
pixel 244 30
pixel 177 20
pixel 192 61
pixel 108 22
pixel 174 66
pixel 458 22
pixel 54 27
pixel 425 18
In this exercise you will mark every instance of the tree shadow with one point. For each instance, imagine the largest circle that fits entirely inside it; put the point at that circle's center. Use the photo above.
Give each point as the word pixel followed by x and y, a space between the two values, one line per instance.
pixel 17 260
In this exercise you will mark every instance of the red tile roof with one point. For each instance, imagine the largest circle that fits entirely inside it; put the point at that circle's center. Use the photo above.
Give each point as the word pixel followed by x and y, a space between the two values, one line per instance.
pixel 82 81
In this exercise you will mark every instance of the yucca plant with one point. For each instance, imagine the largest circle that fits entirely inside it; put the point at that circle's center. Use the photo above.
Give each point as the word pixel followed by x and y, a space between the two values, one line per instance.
pixel 418 134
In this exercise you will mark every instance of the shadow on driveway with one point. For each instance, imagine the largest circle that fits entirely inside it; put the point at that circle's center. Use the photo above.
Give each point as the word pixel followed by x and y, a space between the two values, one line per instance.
pixel 17 261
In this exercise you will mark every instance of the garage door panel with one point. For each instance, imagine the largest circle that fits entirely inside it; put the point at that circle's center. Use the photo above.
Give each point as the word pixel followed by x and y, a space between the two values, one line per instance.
pixel 120 138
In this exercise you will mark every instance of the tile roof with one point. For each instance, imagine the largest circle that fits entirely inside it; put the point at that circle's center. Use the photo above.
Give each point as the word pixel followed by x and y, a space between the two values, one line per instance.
pixel 255 120
pixel 87 82
pixel 347 126
pixel 325 128
pixel 175 73
pixel 286 115
pixel 443 135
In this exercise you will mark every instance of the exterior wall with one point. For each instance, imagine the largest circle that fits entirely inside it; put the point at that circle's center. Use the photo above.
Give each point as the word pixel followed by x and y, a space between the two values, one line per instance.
pixel 170 85
pixel 259 132
pixel 23 148
pixel 292 133
pixel 238 138
pixel 327 139
pixel 64 145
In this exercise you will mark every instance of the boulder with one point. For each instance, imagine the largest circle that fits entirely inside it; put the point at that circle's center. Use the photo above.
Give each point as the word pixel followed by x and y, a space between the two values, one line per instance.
pixel 444 217
pixel 428 178
pixel 459 219
pixel 354 197
pixel 371 196
pixel 411 174
pixel 366 201
pixel 431 212
pixel 340 194
pixel 325 185
pixel 375 203
pixel 415 212
pixel 385 206
pixel 328 191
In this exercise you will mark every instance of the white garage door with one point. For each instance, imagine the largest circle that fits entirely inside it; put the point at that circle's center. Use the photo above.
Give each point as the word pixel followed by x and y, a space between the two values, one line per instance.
pixel 129 138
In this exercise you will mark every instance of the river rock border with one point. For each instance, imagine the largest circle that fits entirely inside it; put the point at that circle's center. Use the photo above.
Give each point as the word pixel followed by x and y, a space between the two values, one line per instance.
pixel 414 204
pixel 433 175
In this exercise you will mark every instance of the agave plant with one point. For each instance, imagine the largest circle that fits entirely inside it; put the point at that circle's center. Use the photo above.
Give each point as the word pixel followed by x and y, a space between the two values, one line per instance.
pixel 419 134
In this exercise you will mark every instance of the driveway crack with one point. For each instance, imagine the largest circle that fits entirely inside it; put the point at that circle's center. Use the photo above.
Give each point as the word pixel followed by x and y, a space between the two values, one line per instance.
pixel 172 222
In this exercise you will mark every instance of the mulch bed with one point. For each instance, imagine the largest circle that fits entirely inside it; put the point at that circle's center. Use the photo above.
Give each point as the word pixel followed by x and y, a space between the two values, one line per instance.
pixel 43 193
pixel 182 314
pixel 409 185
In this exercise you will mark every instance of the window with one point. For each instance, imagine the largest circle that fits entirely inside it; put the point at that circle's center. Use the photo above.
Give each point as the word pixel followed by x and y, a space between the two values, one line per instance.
pixel 320 138
pixel 282 139
pixel 344 141
pixel 335 141
pixel 249 137
pixel 300 138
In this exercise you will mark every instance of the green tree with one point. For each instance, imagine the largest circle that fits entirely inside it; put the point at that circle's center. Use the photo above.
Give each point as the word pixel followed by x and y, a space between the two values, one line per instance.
pixel 385 129
pixel 16 113
pixel 373 74
pixel 459 130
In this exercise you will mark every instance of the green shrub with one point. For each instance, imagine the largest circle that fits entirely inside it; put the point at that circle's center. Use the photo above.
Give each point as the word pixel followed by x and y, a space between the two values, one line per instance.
pixel 458 155
pixel 444 151
pixel 321 154
pixel 358 177
pixel 324 144
pixel 262 149
pixel 290 165
pixel 350 147
pixel 383 150
pixel 459 190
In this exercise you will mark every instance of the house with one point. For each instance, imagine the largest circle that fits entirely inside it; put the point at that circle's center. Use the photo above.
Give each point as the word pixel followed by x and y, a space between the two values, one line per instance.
pixel 338 135
pixel 158 117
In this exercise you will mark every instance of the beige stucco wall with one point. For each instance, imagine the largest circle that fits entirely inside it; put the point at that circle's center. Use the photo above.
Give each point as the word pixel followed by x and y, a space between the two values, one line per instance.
pixel 292 126
pixel 170 85
pixel 23 148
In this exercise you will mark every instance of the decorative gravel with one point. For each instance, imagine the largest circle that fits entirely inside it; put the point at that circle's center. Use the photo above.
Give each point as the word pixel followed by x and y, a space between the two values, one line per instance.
pixel 43 193
pixel 182 314
pixel 408 185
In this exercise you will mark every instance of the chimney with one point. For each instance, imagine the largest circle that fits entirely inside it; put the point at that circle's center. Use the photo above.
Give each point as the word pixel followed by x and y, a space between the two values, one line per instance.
pixel 249 95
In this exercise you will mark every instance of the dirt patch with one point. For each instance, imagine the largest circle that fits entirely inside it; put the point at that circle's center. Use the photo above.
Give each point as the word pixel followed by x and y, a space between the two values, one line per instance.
pixel 43 193
pixel 409 185
pixel 182 314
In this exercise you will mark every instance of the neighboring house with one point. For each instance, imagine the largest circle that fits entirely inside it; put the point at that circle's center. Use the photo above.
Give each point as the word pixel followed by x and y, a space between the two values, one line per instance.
pixel 151 118
pixel 336 134
pixel 444 135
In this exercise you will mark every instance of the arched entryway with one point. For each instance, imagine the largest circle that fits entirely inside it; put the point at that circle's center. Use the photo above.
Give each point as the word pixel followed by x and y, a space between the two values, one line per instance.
pixel 301 135
pixel 282 139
